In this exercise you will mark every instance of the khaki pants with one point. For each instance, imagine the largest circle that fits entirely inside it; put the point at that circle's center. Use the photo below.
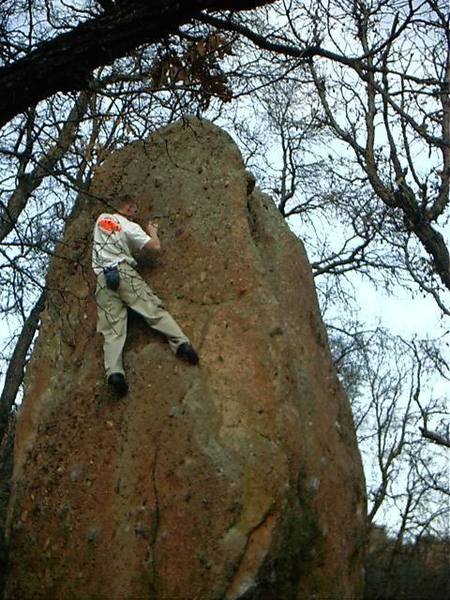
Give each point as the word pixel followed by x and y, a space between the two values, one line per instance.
pixel 112 315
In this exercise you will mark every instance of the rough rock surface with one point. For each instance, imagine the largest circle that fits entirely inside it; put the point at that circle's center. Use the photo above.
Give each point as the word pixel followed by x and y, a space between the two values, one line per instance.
pixel 239 478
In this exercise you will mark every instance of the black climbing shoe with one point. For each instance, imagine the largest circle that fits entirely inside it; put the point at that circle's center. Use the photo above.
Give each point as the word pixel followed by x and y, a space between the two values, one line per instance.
pixel 118 383
pixel 186 352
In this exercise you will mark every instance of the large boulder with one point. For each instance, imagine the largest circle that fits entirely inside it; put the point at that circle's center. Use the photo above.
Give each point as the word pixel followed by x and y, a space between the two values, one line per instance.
pixel 239 478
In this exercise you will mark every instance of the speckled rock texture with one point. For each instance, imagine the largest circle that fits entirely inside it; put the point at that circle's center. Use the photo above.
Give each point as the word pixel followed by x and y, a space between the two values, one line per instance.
pixel 239 478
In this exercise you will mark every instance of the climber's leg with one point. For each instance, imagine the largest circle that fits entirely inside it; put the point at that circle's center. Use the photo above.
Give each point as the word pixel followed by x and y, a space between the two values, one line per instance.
pixel 112 323
pixel 138 296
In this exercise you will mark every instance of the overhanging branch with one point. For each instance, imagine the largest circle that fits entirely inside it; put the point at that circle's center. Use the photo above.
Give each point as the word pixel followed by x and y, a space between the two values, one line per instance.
pixel 66 62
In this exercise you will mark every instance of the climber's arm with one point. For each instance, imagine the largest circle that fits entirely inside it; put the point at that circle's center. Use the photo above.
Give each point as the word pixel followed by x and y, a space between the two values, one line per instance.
pixel 154 243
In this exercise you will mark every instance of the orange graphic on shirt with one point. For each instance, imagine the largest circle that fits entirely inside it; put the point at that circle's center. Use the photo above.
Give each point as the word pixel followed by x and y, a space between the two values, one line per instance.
pixel 109 225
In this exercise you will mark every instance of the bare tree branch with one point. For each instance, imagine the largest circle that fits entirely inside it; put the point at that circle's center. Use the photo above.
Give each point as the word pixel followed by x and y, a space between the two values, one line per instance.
pixel 66 62
pixel 435 437
pixel 16 368
pixel 29 182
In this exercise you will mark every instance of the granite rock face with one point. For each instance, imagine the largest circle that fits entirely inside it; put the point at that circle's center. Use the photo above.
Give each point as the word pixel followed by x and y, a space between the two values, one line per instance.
pixel 236 479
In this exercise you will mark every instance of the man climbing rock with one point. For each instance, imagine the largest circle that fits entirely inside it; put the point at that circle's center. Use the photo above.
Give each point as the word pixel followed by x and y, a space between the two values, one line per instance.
pixel 119 285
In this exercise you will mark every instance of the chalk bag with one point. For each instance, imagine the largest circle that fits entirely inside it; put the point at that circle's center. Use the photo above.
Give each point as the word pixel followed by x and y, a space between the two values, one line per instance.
pixel 112 277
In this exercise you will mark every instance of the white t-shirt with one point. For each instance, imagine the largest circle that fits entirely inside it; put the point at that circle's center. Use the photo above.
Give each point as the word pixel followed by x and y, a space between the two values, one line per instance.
pixel 115 239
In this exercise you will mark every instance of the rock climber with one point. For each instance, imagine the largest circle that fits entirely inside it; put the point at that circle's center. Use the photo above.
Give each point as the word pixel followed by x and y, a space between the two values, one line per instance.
pixel 116 238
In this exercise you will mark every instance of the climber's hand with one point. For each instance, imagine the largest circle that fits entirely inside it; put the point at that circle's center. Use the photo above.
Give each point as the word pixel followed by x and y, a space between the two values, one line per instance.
pixel 152 229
